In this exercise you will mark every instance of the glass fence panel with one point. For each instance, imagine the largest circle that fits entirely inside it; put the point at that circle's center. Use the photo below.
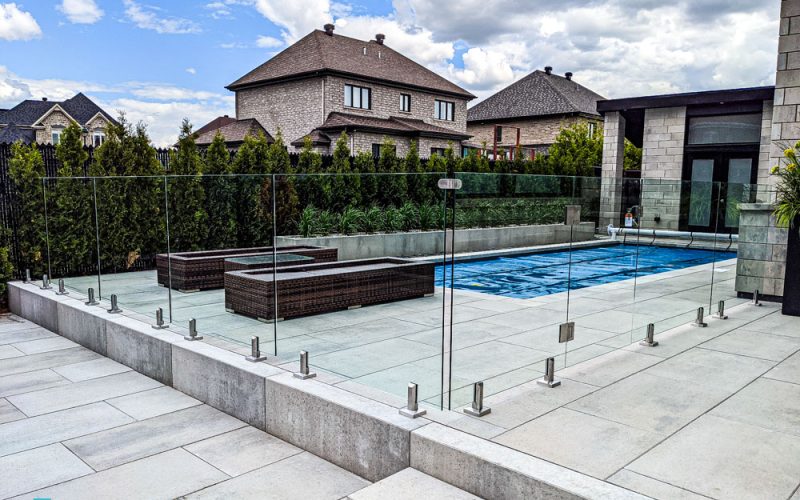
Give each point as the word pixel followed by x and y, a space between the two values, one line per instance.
pixel 358 296
pixel 71 237
pixel 131 233
pixel 511 279
pixel 220 226
pixel 603 268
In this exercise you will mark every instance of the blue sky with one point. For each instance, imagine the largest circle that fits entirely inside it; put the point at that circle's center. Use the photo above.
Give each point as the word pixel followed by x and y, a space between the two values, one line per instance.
pixel 161 60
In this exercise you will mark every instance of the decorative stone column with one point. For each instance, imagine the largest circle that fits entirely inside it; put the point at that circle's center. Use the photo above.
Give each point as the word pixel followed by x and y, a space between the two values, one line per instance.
pixel 761 260
pixel 612 167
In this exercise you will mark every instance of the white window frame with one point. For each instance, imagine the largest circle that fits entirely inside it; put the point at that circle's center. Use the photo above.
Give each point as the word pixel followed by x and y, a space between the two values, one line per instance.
pixel 405 103
pixel 592 128
pixel 98 134
pixel 55 135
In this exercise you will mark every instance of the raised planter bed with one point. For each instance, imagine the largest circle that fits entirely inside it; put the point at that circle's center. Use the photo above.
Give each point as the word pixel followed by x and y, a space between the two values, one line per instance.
pixel 204 270
pixel 320 288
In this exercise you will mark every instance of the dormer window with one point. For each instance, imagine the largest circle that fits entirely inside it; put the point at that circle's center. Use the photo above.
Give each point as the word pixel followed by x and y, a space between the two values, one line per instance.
pixel 357 97
pixel 56 135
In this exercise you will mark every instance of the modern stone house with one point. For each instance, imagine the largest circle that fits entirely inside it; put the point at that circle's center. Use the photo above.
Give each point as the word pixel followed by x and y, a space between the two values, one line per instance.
pixel 531 112
pixel 43 121
pixel 689 142
pixel 232 130
pixel 326 83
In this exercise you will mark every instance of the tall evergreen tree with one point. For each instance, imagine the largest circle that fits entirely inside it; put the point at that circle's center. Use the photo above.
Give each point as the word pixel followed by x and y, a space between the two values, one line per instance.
pixel 418 180
pixel 393 182
pixel 26 168
pixel 286 201
pixel 346 187
pixel 186 197
pixel 364 165
pixel 71 214
pixel 250 166
pixel 220 189
pixel 313 188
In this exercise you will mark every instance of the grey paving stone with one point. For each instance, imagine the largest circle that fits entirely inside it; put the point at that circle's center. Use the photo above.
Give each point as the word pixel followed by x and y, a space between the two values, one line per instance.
pixel 651 487
pixel 411 484
pixel 44 345
pixel 8 413
pixel 14 323
pixel 298 477
pixel 87 370
pixel 30 331
pixel 657 404
pixel 770 404
pixel 712 368
pixel 81 393
pixel 582 442
pixel 164 476
pixel 755 344
pixel 720 458
pixel 120 445
pixel 788 370
pixel 9 351
pixel 608 368
pixel 58 426
pixel 778 324
pixel 242 450
pixel 153 402
pixel 374 357
pixel 33 469
pixel 30 381
pixel 46 360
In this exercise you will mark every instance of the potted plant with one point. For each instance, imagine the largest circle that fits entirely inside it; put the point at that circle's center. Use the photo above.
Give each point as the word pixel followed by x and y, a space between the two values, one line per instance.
pixel 787 214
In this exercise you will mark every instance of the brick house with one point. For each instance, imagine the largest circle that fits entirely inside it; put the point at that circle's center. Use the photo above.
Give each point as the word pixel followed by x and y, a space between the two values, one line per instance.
pixel 232 130
pixel 43 121
pixel 326 83
pixel 531 112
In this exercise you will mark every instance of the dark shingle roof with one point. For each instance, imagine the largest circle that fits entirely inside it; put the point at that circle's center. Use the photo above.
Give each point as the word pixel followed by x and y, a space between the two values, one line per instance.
pixel 317 139
pixel 391 125
pixel 234 132
pixel 79 107
pixel 12 133
pixel 214 124
pixel 537 94
pixel 318 52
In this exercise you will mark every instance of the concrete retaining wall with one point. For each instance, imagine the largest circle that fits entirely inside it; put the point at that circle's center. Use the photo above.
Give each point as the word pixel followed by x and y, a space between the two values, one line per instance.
pixel 364 246
pixel 366 437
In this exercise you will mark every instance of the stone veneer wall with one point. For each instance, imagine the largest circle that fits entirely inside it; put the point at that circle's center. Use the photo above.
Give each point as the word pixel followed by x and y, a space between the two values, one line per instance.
pixel 761 260
pixel 662 166
pixel 611 171
pixel 535 131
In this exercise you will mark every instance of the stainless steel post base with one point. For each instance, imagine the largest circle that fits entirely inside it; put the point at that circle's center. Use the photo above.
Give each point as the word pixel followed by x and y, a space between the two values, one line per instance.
pixel 305 373
pixel 549 379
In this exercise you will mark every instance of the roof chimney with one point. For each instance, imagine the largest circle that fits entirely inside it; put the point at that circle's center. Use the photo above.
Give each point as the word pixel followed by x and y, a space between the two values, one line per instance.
pixel 44 99
pixel 380 37
pixel 329 29
pixel 568 74
pixel 548 69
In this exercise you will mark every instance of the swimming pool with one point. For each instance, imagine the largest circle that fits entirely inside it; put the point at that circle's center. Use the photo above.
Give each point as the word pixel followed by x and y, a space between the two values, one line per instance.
pixel 532 275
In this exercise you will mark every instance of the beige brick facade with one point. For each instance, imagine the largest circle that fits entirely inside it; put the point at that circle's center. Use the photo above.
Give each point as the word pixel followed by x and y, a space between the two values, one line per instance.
pixel 533 132
pixel 300 106
pixel 58 119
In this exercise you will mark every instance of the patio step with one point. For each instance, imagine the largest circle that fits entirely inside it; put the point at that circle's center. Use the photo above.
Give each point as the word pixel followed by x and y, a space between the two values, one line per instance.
pixel 410 484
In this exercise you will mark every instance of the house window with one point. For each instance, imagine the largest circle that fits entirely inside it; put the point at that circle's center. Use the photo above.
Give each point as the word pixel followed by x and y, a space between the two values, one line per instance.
pixel 437 151
pixel 98 137
pixel 498 133
pixel 444 110
pixel 376 149
pixel 405 103
pixel 592 128
pixel 725 129
pixel 56 135
pixel 357 97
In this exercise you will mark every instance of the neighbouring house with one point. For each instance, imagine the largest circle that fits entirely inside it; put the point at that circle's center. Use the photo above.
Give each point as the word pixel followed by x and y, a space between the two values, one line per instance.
pixel 231 129
pixel 43 121
pixel 326 83
pixel 530 113
pixel 718 136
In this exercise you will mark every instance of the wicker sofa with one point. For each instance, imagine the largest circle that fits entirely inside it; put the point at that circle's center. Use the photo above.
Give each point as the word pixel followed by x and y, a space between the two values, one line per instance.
pixel 320 288
pixel 204 270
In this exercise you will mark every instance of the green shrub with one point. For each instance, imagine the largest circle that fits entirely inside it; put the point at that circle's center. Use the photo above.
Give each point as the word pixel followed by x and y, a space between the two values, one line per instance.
pixel 6 273
pixel 373 220
pixel 429 216
pixel 392 220
pixel 409 217
pixel 306 224
pixel 350 220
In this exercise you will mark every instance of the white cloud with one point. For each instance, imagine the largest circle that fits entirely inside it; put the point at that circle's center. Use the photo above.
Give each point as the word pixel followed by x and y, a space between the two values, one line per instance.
pixel 191 71
pixel 16 24
pixel 268 42
pixel 81 11
pixel 158 92
pixel 297 17
pixel 147 18
pixel 484 69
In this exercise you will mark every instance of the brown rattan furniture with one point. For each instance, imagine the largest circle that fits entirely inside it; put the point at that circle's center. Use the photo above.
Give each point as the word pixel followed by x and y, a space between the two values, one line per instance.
pixel 192 271
pixel 264 261
pixel 320 288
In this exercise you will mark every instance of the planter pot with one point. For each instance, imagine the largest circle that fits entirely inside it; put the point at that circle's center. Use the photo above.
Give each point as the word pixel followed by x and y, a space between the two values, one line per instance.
pixel 791 283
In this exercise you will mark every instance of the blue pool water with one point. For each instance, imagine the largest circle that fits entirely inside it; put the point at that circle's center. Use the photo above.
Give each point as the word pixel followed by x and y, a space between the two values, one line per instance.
pixel 527 276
